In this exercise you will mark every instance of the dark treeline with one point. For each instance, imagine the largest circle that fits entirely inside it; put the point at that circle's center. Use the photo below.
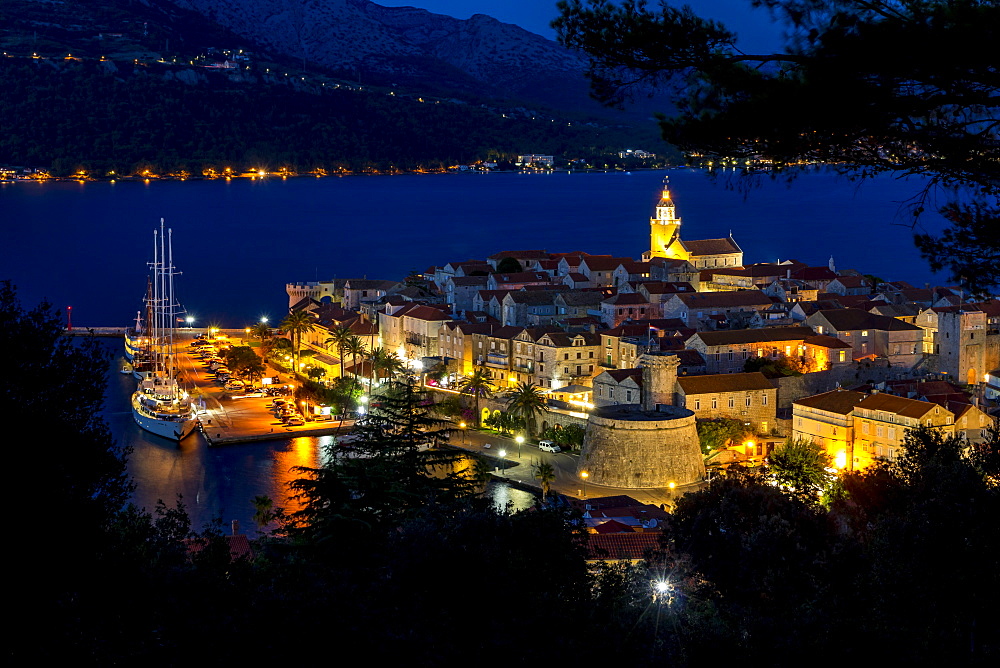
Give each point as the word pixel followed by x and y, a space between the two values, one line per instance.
pixel 67 116
pixel 383 562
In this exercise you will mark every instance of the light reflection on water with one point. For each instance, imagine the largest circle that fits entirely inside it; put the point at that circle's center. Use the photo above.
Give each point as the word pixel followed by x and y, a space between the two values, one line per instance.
pixel 220 482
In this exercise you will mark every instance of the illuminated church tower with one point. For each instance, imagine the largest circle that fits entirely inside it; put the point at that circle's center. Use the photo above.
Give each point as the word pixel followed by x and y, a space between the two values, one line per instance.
pixel 665 229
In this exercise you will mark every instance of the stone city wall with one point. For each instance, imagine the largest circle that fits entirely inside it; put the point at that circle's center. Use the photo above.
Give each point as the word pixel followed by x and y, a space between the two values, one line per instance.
pixel 642 452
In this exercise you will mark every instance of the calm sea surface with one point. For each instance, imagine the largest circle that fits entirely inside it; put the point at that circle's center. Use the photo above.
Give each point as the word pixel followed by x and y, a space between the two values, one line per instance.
pixel 238 243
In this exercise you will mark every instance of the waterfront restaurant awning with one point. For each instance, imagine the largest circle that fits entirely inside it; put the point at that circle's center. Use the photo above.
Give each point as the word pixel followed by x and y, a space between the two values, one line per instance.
pixel 323 358
pixel 364 370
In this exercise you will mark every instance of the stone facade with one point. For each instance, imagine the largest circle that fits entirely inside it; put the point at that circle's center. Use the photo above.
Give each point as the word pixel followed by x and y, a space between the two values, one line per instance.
pixel 628 447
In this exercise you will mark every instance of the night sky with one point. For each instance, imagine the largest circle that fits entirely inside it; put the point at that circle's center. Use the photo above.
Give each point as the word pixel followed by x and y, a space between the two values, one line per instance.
pixel 754 27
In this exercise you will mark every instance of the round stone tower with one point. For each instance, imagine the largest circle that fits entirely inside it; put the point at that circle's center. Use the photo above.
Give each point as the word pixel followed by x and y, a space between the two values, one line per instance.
pixel 648 445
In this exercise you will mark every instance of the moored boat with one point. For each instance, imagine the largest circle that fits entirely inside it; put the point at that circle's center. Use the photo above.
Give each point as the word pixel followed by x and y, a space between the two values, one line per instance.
pixel 159 404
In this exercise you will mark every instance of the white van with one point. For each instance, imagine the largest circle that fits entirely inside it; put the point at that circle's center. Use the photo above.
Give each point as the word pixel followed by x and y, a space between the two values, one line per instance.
pixel 548 446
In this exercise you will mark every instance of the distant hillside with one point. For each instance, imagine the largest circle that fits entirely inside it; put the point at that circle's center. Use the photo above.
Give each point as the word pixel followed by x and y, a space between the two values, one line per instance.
pixel 89 83
pixel 409 46
pixel 128 118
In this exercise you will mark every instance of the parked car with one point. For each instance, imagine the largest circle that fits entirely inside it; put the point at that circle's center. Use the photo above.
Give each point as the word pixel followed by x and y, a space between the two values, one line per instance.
pixel 548 446
pixel 295 421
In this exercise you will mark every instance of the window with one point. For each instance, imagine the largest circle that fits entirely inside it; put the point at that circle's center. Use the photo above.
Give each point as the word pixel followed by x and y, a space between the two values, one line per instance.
pixel 879 431
pixel 715 402
pixel 697 404
pixel 763 400
pixel 565 356
pixel 748 401
pixel 578 355
pixel 611 393
pixel 864 332
pixel 628 395
pixel 892 433
pixel 732 402
pixel 842 355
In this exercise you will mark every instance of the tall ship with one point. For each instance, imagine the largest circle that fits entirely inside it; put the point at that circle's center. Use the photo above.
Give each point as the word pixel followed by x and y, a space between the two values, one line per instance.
pixel 159 404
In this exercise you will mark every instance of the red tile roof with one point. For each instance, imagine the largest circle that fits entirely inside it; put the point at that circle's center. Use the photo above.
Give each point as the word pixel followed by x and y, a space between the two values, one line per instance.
pixel 613 546
pixel 724 382
pixel 613 526
pixel 837 401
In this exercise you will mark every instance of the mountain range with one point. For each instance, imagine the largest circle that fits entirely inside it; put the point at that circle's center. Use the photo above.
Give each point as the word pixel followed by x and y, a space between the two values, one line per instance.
pixel 409 46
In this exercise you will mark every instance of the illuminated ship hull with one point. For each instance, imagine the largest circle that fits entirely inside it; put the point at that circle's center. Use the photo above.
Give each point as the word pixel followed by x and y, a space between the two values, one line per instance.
pixel 163 418
pixel 133 346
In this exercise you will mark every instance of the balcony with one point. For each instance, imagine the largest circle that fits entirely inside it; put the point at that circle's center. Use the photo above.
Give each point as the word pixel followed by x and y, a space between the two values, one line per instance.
pixel 497 361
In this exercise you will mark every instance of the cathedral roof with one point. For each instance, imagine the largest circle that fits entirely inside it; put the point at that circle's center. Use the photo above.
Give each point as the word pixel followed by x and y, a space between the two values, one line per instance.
pixel 712 246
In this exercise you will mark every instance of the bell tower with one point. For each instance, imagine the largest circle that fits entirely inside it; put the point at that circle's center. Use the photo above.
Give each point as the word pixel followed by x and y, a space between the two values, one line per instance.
pixel 665 229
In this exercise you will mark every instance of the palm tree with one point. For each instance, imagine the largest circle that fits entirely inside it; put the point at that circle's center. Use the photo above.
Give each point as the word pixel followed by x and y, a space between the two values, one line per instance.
pixel 262 332
pixel 298 323
pixel 339 338
pixel 478 385
pixel 527 401
pixel 383 360
pixel 354 347
pixel 263 512
pixel 545 473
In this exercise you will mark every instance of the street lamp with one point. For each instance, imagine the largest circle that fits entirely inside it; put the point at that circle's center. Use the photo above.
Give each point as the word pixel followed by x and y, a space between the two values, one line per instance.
pixel 503 462
pixel 584 475
pixel 662 591
pixel 520 440
pixel 462 425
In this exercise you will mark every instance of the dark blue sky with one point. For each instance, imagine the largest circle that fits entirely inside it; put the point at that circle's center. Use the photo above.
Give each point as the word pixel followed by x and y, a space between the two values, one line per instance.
pixel 756 31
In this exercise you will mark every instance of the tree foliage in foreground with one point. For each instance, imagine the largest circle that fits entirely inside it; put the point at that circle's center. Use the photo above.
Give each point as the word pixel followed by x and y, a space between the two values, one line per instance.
pixel 908 87
pixel 865 578
pixel 801 466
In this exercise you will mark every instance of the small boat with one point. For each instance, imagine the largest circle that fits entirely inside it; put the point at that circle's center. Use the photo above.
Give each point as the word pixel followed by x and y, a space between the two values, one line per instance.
pixel 126 369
